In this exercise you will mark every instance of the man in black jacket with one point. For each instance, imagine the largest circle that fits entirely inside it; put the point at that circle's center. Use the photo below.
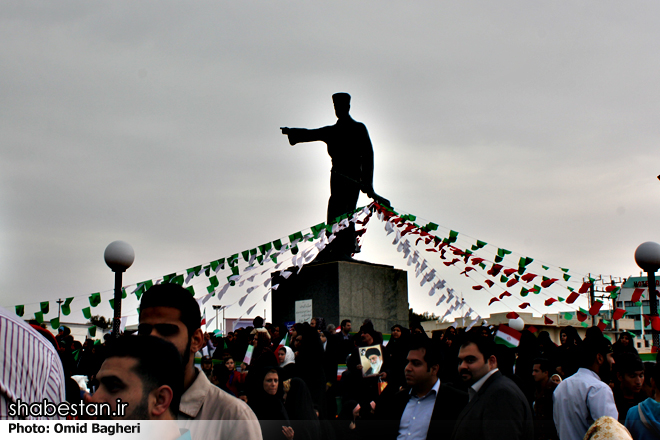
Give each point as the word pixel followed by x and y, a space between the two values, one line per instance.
pixel 428 409
pixel 497 408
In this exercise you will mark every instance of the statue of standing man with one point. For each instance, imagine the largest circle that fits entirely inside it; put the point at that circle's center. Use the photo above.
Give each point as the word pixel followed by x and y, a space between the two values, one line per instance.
pixel 352 171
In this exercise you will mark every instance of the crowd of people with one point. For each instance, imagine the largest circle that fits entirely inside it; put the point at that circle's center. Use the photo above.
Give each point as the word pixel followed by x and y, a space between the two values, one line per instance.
pixel 315 381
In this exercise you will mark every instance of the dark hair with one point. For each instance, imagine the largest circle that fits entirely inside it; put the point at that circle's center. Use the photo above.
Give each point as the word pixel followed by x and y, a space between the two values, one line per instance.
pixel 158 363
pixel 176 297
pixel 591 347
pixel 485 344
pixel 628 363
pixel 432 355
pixel 258 322
pixel 544 364
pixel 344 322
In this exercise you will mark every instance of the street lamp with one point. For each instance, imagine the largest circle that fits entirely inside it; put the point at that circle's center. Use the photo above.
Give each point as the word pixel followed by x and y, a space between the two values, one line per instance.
pixel 119 256
pixel 647 257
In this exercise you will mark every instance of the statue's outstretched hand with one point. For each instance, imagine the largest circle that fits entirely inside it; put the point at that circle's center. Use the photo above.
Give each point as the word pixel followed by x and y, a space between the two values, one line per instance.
pixel 287 132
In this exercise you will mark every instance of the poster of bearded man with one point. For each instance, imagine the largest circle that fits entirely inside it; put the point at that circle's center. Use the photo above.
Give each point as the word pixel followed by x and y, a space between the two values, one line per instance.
pixel 371 359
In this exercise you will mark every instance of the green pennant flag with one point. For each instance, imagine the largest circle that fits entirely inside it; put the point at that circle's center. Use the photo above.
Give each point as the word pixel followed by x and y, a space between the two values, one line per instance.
pixel 45 307
pixel 503 279
pixel 453 236
pixel 217 263
pixel 148 285
pixel 566 277
pixel 95 299
pixel 139 291
pixel 20 310
pixel 87 312
pixel 66 307
pixel 500 255
pixel 570 288
pixel 168 278
pixel 196 270
pixel 233 260
pixel 177 280
pixel 246 255
pixel 76 355
pixel 560 299
pixel 584 324
pixel 479 245
pixel 55 323
pixel 430 227
pixel 537 289
pixel 191 290
pixel 123 293
pixel 112 303
pixel 277 244
pixel 568 316
pixel 482 265
pixel 614 295
pixel 409 217
pixel 97 341
pixel 297 236
pixel 268 246
pixel 564 269
pixel 545 267
pixel 524 292
pixel 92 331
pixel 260 259
pixel 39 317
pixel 214 280
pixel 294 250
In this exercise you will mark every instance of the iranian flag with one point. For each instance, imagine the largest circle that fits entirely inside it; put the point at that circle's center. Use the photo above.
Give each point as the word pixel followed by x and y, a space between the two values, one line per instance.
pixel 507 336
pixel 203 323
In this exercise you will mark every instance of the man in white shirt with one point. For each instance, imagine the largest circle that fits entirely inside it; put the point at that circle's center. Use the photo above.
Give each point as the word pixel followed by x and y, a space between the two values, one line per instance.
pixel 586 396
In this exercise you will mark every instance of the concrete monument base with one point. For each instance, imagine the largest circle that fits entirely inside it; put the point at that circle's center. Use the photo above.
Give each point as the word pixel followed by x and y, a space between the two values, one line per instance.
pixel 344 290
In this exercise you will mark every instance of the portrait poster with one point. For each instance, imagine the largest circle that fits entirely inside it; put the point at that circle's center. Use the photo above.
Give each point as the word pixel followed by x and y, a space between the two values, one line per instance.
pixel 371 359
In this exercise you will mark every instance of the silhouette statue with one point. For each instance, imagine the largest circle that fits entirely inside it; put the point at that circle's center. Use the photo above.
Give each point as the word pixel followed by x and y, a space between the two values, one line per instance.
pixel 352 171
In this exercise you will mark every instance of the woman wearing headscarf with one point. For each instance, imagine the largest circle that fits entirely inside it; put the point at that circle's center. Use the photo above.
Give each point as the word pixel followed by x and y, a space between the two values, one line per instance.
pixel 396 355
pixel 300 409
pixel 287 363
pixel 266 402
pixel 568 354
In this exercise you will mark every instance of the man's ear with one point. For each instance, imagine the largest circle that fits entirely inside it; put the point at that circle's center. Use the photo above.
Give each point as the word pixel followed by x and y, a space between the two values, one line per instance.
pixel 162 398
pixel 435 369
pixel 492 361
pixel 196 341
pixel 600 359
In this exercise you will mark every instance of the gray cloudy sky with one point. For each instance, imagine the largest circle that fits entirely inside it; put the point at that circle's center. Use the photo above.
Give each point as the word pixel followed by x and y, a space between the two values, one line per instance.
pixel 530 126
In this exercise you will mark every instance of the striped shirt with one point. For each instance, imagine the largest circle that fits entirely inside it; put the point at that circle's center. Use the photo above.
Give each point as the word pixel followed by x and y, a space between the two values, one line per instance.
pixel 30 369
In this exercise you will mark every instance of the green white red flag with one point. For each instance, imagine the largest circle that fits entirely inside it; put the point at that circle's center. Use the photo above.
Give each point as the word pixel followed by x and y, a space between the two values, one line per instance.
pixel 507 336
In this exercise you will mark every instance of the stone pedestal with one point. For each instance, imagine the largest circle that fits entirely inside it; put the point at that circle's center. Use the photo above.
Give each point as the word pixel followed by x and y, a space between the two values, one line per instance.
pixel 345 290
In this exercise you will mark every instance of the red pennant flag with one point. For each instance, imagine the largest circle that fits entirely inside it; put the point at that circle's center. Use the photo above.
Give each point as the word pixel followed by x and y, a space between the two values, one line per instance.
pixel 495 270
pixel 511 282
pixel 601 325
pixel 467 269
pixel 489 282
pixel 637 294
pixel 547 320
pixel 509 272
pixel 610 288
pixel 493 299
pixel 503 294
pixel 618 314
pixel 548 283
pixel 655 323
pixel 581 316
pixel 595 307
pixel 524 305
pixel 512 315
pixel 654 349
pixel 584 288
pixel 572 297
pixel 528 277
pixel 454 261
pixel 477 287
pixel 477 260
pixel 532 329
pixel 549 301
pixel 647 320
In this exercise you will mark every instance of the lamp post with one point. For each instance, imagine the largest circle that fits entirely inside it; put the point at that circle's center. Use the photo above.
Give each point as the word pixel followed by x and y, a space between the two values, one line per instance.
pixel 119 256
pixel 647 257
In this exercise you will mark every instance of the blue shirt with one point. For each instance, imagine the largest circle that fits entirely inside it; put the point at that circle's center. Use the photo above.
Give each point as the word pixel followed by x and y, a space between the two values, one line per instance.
pixel 416 417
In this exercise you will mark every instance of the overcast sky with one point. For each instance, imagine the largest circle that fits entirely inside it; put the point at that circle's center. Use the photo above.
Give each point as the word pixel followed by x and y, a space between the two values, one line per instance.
pixel 533 127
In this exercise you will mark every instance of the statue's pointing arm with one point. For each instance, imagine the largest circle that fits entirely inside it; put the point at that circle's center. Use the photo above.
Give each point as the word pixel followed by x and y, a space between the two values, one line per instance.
pixel 297 135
